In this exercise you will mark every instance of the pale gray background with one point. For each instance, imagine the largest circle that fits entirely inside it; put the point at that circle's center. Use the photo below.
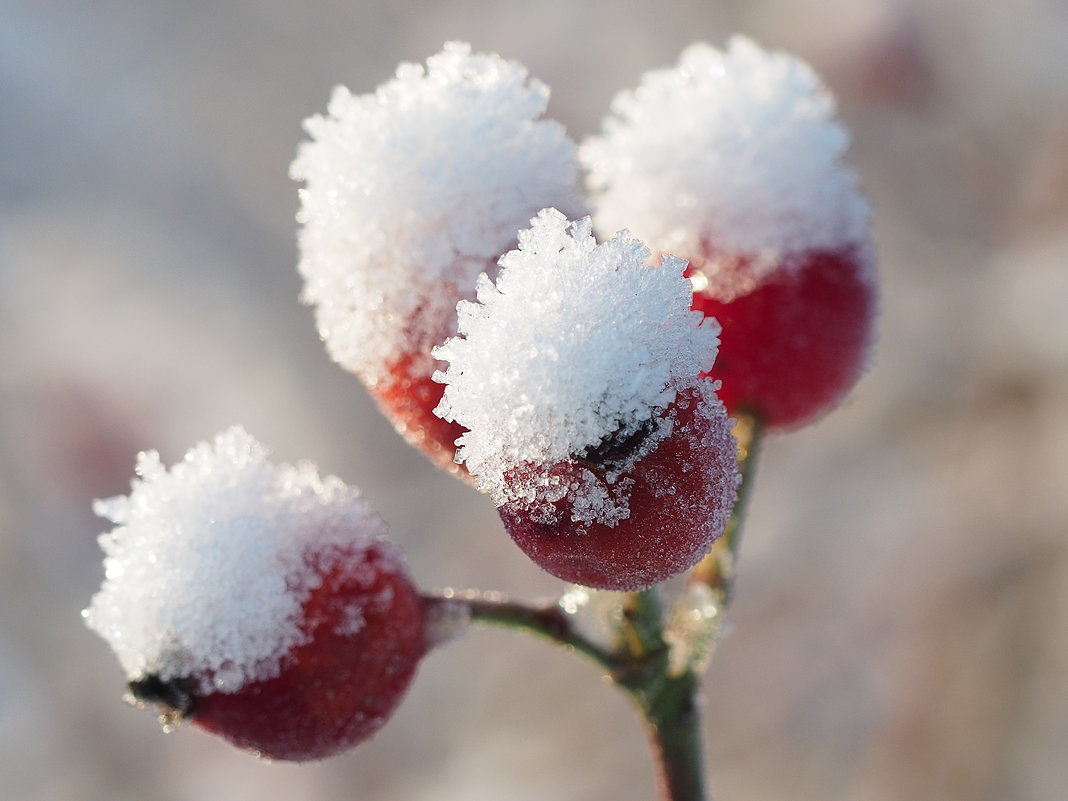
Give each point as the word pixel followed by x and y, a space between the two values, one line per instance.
pixel 900 628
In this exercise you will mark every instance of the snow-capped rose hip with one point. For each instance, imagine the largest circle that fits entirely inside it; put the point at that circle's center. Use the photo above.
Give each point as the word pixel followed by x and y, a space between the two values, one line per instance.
pixel 258 601
pixel 610 459
pixel 410 193
pixel 733 160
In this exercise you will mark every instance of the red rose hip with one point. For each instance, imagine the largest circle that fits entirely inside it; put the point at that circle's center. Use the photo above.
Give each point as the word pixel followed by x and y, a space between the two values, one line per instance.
pixel 792 347
pixel 258 601
pixel 733 160
pixel 578 375
pixel 365 636
pixel 680 497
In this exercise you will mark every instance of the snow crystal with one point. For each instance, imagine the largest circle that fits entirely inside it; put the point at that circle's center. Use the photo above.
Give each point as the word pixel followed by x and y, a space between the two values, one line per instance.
pixel 733 152
pixel 575 346
pixel 208 567
pixel 414 190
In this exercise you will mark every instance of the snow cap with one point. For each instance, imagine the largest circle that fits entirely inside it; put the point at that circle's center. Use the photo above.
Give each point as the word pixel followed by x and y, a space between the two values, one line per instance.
pixel 210 563
pixel 415 189
pixel 730 153
pixel 576 344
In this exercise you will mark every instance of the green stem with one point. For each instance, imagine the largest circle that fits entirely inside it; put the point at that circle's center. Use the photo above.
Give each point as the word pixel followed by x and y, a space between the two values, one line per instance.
pixel 546 620
pixel 643 623
pixel 674 724
pixel 639 667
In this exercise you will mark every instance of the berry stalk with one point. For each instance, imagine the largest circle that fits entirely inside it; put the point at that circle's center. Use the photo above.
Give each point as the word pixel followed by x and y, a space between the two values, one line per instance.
pixel 639 665
pixel 665 699
pixel 673 722
pixel 547 620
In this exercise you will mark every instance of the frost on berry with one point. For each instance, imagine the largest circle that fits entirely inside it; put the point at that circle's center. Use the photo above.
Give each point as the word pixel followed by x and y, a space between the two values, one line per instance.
pixel 733 160
pixel 260 600
pixel 410 193
pixel 577 375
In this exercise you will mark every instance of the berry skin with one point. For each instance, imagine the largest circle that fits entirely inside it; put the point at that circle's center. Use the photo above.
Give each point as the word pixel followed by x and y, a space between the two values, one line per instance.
pixel 366 633
pixel 792 347
pixel 681 494
pixel 408 397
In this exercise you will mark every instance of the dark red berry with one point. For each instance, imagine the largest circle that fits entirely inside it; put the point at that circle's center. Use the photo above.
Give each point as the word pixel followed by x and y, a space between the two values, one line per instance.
pixel 680 499
pixel 366 634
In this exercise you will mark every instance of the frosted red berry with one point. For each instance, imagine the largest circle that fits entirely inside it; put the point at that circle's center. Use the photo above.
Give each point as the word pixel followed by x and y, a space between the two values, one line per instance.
pixel 365 626
pixel 680 496
pixel 260 601
pixel 734 160
pixel 578 375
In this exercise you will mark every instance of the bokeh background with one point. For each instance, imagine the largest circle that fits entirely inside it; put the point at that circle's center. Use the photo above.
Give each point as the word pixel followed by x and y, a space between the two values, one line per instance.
pixel 901 624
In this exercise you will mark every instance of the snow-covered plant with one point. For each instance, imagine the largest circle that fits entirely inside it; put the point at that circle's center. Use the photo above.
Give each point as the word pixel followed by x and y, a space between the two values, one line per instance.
pixel 583 385
pixel 579 377
pixel 240 594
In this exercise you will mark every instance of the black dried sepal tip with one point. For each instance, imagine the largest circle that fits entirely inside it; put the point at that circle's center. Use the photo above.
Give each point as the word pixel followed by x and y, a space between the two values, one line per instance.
pixel 614 451
pixel 174 696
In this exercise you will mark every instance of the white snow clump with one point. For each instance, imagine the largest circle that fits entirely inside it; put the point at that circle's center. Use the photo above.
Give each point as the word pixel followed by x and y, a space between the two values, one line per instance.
pixel 734 151
pixel 211 561
pixel 414 190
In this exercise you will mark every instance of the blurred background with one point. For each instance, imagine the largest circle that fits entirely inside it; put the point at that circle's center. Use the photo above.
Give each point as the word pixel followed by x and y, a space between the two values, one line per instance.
pixel 901 623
